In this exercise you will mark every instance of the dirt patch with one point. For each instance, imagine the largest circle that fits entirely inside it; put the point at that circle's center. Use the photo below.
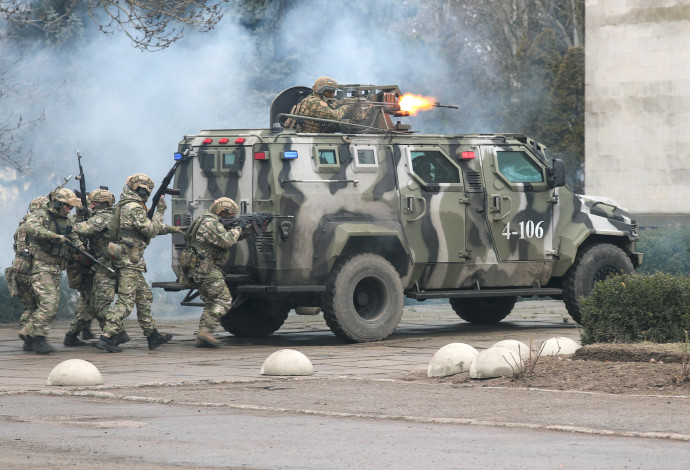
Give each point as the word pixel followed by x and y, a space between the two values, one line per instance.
pixel 634 369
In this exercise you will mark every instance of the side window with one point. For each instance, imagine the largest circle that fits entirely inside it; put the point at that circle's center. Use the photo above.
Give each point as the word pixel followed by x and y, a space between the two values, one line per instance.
pixel 207 160
pixel 517 167
pixel 326 158
pixel 433 167
pixel 364 158
pixel 232 161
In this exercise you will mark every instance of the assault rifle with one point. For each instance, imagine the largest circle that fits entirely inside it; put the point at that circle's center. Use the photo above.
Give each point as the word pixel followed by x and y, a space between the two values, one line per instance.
pixel 87 254
pixel 163 188
pixel 258 220
pixel 81 194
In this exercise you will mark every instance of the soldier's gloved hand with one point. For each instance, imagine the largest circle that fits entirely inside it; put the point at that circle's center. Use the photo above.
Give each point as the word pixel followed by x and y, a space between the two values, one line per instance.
pixel 57 238
pixel 160 208
pixel 179 229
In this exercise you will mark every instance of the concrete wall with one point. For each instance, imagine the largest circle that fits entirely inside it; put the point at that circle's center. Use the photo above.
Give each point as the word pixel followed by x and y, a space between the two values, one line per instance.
pixel 637 100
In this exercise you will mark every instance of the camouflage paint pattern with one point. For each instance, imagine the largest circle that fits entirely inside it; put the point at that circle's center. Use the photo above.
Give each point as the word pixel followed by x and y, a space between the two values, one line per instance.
pixel 133 291
pixel 209 238
pixel 318 106
pixel 49 259
pixel 483 230
pixel 135 229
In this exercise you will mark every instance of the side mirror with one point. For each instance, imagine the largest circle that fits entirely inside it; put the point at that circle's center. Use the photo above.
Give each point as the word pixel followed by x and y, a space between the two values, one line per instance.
pixel 556 174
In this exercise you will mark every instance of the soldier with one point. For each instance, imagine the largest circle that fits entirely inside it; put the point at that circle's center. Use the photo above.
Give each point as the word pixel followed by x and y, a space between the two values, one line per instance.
pixel 97 286
pixel 130 232
pixel 18 280
pixel 207 243
pixel 47 229
pixel 321 104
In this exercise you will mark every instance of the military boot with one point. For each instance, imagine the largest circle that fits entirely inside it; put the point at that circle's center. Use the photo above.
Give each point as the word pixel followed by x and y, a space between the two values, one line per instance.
pixel 106 344
pixel 40 346
pixel 205 339
pixel 72 339
pixel 120 338
pixel 86 331
pixel 155 339
pixel 28 343
pixel 23 333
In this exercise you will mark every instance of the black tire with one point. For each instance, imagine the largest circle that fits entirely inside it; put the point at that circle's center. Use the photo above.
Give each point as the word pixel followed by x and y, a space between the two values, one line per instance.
pixel 593 263
pixel 255 318
pixel 485 310
pixel 364 299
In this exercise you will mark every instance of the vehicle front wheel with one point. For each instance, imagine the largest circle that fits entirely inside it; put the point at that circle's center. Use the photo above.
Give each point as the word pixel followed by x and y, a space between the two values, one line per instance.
pixel 255 318
pixel 593 263
pixel 485 310
pixel 364 299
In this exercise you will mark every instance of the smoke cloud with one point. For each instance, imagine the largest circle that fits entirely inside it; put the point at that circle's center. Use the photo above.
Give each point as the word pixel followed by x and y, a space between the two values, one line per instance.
pixel 126 110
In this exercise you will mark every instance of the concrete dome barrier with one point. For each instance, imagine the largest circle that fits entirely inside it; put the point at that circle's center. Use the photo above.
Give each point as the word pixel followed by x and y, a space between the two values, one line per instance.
pixel 287 362
pixel 496 362
pixel 75 372
pixel 451 359
pixel 518 347
pixel 558 345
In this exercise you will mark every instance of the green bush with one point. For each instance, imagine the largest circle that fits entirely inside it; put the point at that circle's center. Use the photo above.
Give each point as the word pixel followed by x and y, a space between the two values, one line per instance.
pixel 10 308
pixel 635 308
pixel 666 250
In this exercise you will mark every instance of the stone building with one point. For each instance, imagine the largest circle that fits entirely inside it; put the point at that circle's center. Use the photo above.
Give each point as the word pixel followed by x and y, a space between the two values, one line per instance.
pixel 637 100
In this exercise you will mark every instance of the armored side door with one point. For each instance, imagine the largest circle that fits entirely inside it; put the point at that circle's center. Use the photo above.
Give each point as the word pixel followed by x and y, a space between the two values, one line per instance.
pixel 519 205
pixel 224 170
pixel 432 204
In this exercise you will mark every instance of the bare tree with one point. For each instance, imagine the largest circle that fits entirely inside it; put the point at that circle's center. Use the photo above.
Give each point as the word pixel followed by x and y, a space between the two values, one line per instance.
pixel 151 25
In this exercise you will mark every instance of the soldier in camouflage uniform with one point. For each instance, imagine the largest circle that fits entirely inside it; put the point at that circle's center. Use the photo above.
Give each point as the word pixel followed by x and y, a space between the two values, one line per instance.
pixel 18 274
pixel 321 104
pixel 97 287
pixel 207 243
pixel 47 229
pixel 131 231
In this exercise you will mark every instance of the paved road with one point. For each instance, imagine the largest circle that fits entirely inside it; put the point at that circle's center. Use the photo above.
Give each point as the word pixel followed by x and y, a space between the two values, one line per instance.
pixel 366 406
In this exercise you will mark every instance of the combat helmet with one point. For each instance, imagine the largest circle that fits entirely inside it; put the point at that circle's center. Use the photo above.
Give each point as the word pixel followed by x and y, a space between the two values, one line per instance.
pixel 224 204
pixel 139 180
pixel 38 202
pixel 101 195
pixel 66 196
pixel 324 84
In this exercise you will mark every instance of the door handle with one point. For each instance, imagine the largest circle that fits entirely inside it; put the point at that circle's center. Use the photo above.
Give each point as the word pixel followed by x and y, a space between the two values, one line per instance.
pixel 410 207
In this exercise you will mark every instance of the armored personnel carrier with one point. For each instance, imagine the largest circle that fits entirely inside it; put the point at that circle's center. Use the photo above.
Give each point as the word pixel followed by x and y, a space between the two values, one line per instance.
pixel 380 213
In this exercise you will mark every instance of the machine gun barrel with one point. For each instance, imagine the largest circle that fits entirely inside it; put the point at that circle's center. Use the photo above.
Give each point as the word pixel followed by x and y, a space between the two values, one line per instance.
pixel 451 106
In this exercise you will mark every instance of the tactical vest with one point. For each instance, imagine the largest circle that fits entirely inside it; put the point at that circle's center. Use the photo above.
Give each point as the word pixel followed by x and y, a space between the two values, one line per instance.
pixel 212 251
pixel 46 250
pixel 116 232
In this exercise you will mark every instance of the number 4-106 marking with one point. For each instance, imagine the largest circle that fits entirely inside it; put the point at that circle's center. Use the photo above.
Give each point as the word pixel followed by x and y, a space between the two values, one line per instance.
pixel 527 230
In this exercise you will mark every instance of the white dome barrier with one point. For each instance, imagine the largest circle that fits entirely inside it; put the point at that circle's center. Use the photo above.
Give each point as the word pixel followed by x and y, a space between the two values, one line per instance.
pixel 451 359
pixel 75 372
pixel 496 362
pixel 287 362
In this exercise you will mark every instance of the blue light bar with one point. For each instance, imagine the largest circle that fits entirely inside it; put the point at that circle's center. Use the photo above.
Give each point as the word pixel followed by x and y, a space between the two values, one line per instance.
pixel 288 154
pixel 178 156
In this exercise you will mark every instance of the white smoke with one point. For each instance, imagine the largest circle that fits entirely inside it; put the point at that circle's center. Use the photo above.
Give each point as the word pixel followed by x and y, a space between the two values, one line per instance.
pixel 126 110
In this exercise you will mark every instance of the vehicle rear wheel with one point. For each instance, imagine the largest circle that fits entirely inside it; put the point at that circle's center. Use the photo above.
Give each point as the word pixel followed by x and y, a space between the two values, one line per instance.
pixel 593 263
pixel 485 310
pixel 255 318
pixel 364 299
